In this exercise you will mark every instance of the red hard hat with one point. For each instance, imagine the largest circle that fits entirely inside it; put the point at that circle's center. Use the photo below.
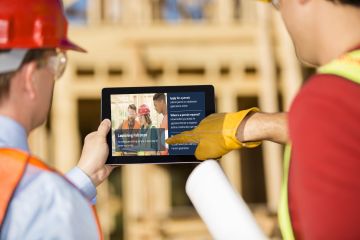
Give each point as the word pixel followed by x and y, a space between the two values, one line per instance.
pixel 143 110
pixel 34 24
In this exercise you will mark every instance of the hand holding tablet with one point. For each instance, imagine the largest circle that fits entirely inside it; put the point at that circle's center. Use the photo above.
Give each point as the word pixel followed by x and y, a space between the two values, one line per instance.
pixel 143 118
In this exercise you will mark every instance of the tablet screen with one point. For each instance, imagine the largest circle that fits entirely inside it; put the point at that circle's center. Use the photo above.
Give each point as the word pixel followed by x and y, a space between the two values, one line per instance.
pixel 142 122
pixel 143 118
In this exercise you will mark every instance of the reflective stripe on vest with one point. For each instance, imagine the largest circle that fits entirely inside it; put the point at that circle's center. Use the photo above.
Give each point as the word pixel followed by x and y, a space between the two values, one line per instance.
pixel 12 168
pixel 347 66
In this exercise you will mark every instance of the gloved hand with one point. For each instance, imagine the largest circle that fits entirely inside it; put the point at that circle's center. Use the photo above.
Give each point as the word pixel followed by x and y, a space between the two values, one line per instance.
pixel 215 135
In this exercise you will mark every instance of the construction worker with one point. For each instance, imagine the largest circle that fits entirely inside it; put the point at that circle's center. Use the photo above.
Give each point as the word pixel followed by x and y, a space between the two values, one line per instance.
pixel 148 141
pixel 36 201
pixel 161 108
pixel 131 126
pixel 321 190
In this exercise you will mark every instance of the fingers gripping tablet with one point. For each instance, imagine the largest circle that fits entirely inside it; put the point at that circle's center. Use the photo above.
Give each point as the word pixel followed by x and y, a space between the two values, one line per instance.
pixel 143 118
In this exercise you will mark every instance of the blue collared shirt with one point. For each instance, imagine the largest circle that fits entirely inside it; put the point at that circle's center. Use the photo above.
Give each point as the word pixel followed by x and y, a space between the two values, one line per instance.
pixel 45 205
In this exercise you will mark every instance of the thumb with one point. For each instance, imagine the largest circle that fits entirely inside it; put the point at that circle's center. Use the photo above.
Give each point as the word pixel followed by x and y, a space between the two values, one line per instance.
pixel 201 151
pixel 104 127
pixel 208 149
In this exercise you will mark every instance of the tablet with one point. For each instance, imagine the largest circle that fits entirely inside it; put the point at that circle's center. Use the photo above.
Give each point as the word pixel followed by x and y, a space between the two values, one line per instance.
pixel 142 118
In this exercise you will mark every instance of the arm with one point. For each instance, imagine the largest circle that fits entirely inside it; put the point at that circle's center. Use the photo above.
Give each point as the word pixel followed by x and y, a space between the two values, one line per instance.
pixel 220 133
pixel 83 183
pixel 264 126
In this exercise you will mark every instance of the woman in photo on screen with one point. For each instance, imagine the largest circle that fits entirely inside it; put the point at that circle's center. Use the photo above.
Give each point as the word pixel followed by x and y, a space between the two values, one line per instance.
pixel 148 140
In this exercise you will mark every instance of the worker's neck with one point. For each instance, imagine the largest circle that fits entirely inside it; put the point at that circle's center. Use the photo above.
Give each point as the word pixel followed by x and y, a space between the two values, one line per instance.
pixel 8 111
pixel 338 31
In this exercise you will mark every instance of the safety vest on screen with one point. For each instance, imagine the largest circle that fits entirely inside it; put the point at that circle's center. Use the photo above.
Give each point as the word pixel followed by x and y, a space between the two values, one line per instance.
pixel 13 164
pixel 347 66
pixel 125 125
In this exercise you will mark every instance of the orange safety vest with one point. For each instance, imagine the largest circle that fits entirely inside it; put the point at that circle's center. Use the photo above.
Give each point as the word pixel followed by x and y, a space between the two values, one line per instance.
pixel 125 125
pixel 13 164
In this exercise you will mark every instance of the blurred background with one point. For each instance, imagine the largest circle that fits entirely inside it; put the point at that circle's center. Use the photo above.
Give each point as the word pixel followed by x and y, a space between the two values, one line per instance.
pixel 239 46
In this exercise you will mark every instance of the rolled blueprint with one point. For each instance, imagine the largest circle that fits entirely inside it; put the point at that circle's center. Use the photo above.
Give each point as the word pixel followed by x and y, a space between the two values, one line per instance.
pixel 221 208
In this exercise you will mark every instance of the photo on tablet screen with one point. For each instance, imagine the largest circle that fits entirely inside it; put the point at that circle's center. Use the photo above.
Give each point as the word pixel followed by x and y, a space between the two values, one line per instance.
pixel 139 124
pixel 142 122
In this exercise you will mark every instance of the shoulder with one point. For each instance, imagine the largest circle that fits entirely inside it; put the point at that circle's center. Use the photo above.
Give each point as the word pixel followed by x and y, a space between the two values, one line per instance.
pixel 325 94
pixel 325 112
pixel 325 85
pixel 124 122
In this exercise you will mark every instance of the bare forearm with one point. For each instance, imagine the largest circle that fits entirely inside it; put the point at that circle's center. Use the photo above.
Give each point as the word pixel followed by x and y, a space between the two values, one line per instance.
pixel 264 126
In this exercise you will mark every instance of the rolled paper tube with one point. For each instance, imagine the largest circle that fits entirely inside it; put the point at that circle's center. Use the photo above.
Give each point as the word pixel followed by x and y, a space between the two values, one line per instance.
pixel 221 208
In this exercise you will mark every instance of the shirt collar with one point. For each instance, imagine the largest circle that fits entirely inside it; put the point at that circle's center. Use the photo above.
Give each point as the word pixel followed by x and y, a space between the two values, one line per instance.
pixel 12 134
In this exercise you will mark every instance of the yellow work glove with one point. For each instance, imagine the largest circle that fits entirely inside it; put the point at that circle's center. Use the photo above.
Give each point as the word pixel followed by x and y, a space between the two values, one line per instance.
pixel 215 135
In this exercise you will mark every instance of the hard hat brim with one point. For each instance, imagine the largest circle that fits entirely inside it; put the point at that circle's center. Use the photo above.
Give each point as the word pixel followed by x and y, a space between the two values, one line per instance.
pixel 66 44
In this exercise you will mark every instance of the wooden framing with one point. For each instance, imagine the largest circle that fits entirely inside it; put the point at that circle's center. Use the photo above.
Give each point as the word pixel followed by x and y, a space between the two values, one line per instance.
pixel 132 44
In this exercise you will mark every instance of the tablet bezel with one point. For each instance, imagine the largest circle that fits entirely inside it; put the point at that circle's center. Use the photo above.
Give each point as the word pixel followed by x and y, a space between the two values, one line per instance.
pixel 168 159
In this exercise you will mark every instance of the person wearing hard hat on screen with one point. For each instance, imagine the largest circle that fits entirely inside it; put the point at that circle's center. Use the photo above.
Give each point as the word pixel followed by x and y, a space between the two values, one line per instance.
pixel 321 188
pixel 36 202
pixel 148 140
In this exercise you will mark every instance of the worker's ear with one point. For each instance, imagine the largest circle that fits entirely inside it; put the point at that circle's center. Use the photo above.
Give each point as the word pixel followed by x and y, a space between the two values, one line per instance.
pixel 28 76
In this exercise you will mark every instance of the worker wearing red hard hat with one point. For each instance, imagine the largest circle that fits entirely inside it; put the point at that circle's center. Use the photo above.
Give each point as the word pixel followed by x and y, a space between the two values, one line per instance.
pixel 149 137
pixel 321 188
pixel 36 201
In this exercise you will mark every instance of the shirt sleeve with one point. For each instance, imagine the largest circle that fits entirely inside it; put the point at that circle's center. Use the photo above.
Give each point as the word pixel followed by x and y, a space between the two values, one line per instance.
pixel 83 183
pixel 324 183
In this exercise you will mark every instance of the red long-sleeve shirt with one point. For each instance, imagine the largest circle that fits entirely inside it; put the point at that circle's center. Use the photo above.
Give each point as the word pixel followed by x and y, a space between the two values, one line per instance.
pixel 324 177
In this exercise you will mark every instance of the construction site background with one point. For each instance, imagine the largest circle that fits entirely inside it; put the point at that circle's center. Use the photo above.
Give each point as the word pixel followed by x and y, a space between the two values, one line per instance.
pixel 239 46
